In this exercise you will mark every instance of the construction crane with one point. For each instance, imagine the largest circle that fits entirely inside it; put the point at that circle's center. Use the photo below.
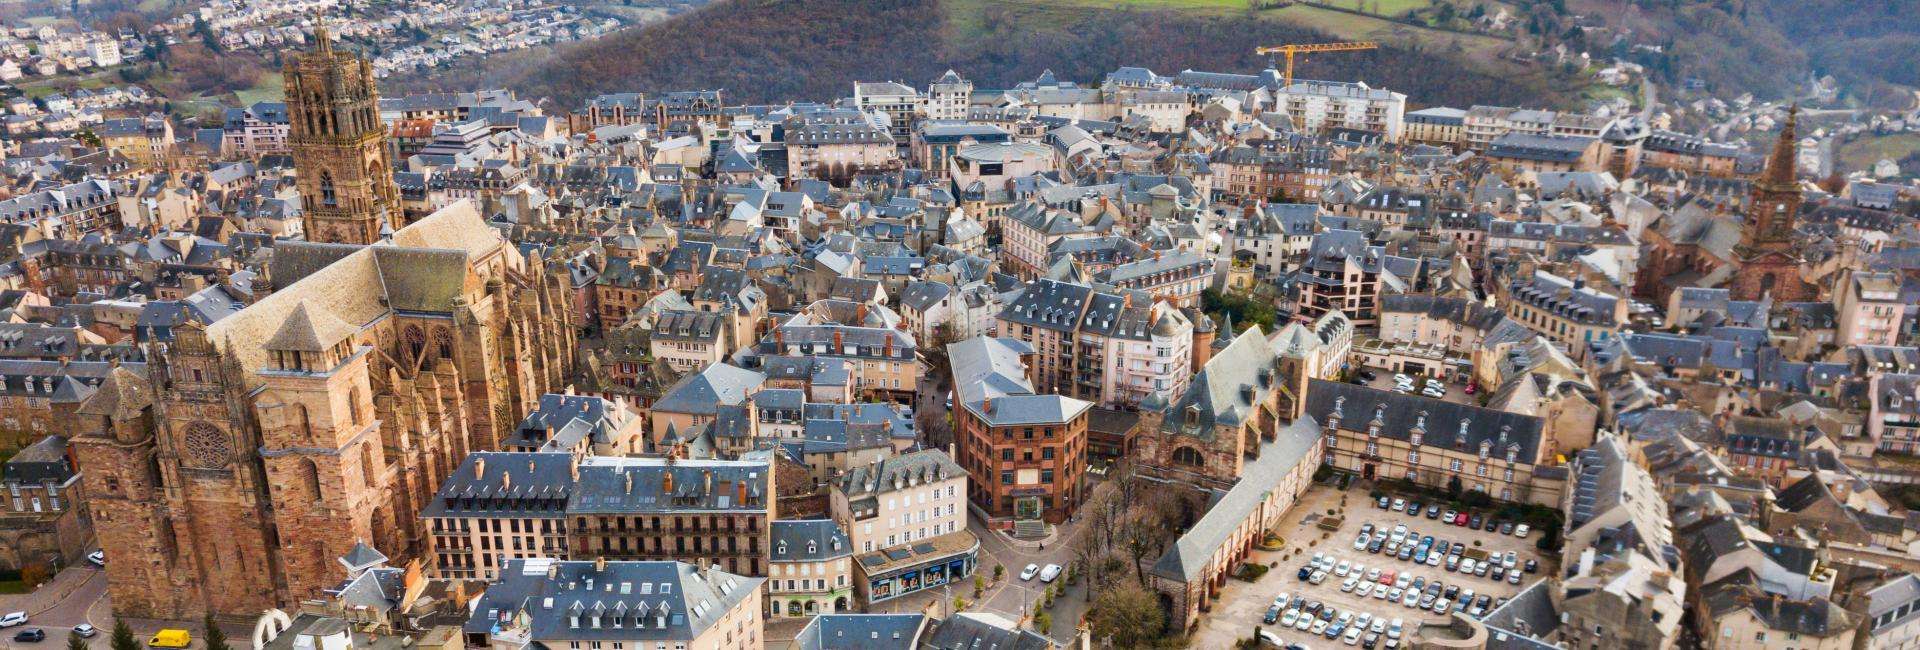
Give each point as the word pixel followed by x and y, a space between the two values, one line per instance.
pixel 1303 48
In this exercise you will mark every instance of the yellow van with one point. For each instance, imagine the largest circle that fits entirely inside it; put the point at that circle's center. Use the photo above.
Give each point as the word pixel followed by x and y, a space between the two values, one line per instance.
pixel 170 639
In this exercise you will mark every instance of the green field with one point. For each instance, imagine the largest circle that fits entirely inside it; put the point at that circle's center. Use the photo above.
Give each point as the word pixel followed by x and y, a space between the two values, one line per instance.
pixel 270 88
pixel 1381 7
pixel 966 18
pixel 1862 153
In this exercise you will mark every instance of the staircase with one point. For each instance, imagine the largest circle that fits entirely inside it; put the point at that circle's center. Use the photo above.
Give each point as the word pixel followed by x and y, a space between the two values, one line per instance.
pixel 1029 528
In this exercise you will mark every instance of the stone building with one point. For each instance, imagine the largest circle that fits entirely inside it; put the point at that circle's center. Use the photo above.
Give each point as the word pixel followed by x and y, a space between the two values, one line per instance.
pixel 43 516
pixel 810 569
pixel 1236 403
pixel 1434 443
pixel 707 512
pixel 260 448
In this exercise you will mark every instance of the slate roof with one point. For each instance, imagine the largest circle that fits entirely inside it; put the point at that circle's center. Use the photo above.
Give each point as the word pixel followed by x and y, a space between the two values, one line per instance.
pixel 516 483
pixel 971 631
pixel 806 540
pixel 651 600
pixel 843 631
pixel 913 468
pixel 1446 424
pixel 44 461
pixel 699 393
pixel 1226 388
pixel 648 485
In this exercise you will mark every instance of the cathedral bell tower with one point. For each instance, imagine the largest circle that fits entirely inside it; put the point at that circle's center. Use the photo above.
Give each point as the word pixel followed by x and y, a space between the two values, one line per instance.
pixel 339 147
pixel 1769 263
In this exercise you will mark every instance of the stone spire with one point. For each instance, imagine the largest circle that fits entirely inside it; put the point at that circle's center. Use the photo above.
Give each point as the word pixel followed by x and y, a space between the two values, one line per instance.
pixel 1783 161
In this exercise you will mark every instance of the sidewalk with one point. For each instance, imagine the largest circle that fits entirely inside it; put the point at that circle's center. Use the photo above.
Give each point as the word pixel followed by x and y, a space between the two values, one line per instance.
pixel 50 593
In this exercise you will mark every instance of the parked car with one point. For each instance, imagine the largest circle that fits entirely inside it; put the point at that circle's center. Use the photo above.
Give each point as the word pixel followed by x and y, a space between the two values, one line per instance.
pixel 12 619
pixel 1533 566
pixel 1273 614
pixel 1460 519
pixel 1498 573
pixel 1367 375
pixel 1448 516
pixel 1480 569
pixel 1413 508
pixel 1506 528
pixel 84 631
pixel 1318 577
pixel 1513 577
pixel 1433 511
pixel 1029 572
pixel 30 635
pixel 1304 573
pixel 1474 522
pixel 1521 531
pixel 1383 503
pixel 1398 503
pixel 1049 573
pixel 97 558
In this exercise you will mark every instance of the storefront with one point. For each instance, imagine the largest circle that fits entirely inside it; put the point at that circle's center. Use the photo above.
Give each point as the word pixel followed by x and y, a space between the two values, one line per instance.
pixel 908 568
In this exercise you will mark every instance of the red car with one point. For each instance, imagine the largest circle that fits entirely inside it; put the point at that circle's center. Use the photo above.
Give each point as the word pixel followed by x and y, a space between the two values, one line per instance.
pixel 1471 388
pixel 1460 519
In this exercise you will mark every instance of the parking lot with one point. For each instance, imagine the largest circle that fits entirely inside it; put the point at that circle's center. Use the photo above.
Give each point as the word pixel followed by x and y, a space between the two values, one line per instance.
pixel 1243 606
pixel 1451 391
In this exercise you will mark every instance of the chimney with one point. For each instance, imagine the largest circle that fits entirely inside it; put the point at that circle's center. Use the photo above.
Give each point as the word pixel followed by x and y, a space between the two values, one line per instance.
pixel 506 480
pixel 666 482
pixel 780 339
pixel 600 564
pixel 837 346
pixel 987 405
pixel 629 478
pixel 707 476
pixel 479 468
pixel 740 492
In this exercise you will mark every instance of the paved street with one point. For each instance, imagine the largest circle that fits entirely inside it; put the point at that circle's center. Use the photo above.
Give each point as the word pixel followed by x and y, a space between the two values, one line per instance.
pixel 77 595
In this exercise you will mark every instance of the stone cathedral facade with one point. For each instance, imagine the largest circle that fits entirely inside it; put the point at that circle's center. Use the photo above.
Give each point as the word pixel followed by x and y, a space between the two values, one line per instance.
pixel 259 449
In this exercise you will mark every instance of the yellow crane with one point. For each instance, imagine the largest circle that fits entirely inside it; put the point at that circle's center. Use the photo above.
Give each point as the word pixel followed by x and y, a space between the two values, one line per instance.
pixel 1303 48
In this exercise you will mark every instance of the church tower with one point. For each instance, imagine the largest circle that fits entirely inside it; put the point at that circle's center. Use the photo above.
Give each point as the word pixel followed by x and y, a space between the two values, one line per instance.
pixel 1769 263
pixel 339 146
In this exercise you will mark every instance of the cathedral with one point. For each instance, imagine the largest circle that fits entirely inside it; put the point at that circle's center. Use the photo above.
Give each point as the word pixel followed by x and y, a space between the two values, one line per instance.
pixel 260 448
pixel 1750 257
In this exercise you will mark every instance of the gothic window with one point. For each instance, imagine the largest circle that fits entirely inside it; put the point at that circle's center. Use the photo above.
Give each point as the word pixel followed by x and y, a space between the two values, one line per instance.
pixel 443 340
pixel 1188 456
pixel 207 446
pixel 416 341
pixel 327 196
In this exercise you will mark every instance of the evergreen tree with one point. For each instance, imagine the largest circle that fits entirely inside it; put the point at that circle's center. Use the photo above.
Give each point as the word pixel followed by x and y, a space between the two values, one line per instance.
pixel 216 639
pixel 122 638
pixel 76 642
